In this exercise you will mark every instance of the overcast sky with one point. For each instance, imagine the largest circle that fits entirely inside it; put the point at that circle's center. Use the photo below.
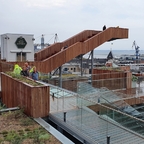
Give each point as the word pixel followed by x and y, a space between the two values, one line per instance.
pixel 69 17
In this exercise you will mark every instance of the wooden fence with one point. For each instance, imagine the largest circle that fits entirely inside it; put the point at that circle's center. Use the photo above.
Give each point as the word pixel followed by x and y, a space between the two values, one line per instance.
pixel 111 79
pixel 34 99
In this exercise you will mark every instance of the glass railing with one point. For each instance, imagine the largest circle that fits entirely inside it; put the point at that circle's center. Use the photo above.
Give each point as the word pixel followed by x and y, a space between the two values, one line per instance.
pixel 122 119
pixel 94 120
pixel 115 81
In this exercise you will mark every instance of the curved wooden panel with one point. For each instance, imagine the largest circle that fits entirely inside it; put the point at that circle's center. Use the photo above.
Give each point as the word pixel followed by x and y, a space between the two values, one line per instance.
pixel 47 52
pixel 53 57
pixel 83 47
pixel 55 48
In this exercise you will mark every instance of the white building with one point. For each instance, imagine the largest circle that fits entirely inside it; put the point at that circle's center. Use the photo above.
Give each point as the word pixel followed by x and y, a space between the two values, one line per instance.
pixel 17 47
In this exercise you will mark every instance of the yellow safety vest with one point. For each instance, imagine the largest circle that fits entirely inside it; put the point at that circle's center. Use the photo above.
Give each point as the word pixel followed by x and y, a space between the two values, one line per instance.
pixel 17 69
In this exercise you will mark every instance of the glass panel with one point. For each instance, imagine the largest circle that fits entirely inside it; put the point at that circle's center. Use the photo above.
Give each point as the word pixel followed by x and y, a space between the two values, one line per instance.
pixel 132 123
pixel 21 56
pixel 18 55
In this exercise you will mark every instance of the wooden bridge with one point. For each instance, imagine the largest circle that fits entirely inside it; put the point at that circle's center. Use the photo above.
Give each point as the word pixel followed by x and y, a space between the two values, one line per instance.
pixel 53 56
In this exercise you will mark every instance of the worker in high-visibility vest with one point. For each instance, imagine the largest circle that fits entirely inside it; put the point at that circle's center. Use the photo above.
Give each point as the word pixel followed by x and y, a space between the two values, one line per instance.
pixel 31 69
pixel 17 69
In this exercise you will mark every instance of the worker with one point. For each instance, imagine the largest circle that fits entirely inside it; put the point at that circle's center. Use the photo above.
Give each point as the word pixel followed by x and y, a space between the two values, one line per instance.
pixel 35 74
pixel 104 27
pixel 31 69
pixel 24 71
pixel 17 69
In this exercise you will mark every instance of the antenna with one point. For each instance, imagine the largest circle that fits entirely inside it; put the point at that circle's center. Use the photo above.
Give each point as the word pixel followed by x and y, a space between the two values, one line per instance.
pixel 56 38
pixel 42 41
pixel 111 47
pixel 136 50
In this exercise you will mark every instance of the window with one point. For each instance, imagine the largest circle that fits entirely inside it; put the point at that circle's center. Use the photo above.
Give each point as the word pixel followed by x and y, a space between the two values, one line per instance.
pixel 65 69
pixel 21 56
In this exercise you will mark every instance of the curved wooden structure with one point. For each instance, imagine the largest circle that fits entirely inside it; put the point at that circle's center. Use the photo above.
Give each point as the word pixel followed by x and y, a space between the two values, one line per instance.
pixel 55 48
pixel 52 57
pixel 77 45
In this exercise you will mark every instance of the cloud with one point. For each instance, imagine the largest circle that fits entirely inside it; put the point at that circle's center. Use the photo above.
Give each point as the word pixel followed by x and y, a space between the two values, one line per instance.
pixel 68 17
pixel 44 3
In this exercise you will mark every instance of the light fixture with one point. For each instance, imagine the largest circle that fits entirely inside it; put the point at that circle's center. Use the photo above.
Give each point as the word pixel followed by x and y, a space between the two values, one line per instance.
pixel 7 37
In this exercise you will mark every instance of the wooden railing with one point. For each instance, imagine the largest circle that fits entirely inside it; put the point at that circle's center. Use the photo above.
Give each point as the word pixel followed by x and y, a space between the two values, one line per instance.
pixel 55 48
pixel 78 48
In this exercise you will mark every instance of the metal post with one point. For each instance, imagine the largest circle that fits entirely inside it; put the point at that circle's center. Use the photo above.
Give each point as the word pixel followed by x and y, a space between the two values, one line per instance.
pixel 92 61
pixel 21 55
pixel 108 139
pixel 81 65
pixel 64 116
pixel 50 75
pixel 60 76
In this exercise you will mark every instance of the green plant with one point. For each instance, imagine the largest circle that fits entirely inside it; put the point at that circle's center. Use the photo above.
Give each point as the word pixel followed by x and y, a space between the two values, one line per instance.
pixel 14 114
pixel 44 137
pixel 43 77
pixel 26 122
pixel 7 115
pixel 134 78
pixel 2 106
pixel 13 137
pixel 40 136
pixel 23 79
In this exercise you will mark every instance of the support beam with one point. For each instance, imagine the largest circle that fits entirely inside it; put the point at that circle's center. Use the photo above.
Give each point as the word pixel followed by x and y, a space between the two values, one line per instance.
pixel 60 76
pixel 92 62
pixel 81 59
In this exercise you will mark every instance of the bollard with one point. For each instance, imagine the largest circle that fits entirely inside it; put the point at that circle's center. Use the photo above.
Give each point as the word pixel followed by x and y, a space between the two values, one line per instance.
pixel 53 96
pixel 108 139
pixel 64 116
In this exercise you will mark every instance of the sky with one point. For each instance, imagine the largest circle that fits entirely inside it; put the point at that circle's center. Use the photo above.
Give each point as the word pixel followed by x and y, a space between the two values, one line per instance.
pixel 69 17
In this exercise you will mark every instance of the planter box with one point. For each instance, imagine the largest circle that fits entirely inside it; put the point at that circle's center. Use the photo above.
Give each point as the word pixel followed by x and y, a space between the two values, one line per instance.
pixel 34 99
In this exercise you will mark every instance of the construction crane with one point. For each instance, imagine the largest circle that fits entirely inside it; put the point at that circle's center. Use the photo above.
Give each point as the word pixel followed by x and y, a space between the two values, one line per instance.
pixel 137 54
